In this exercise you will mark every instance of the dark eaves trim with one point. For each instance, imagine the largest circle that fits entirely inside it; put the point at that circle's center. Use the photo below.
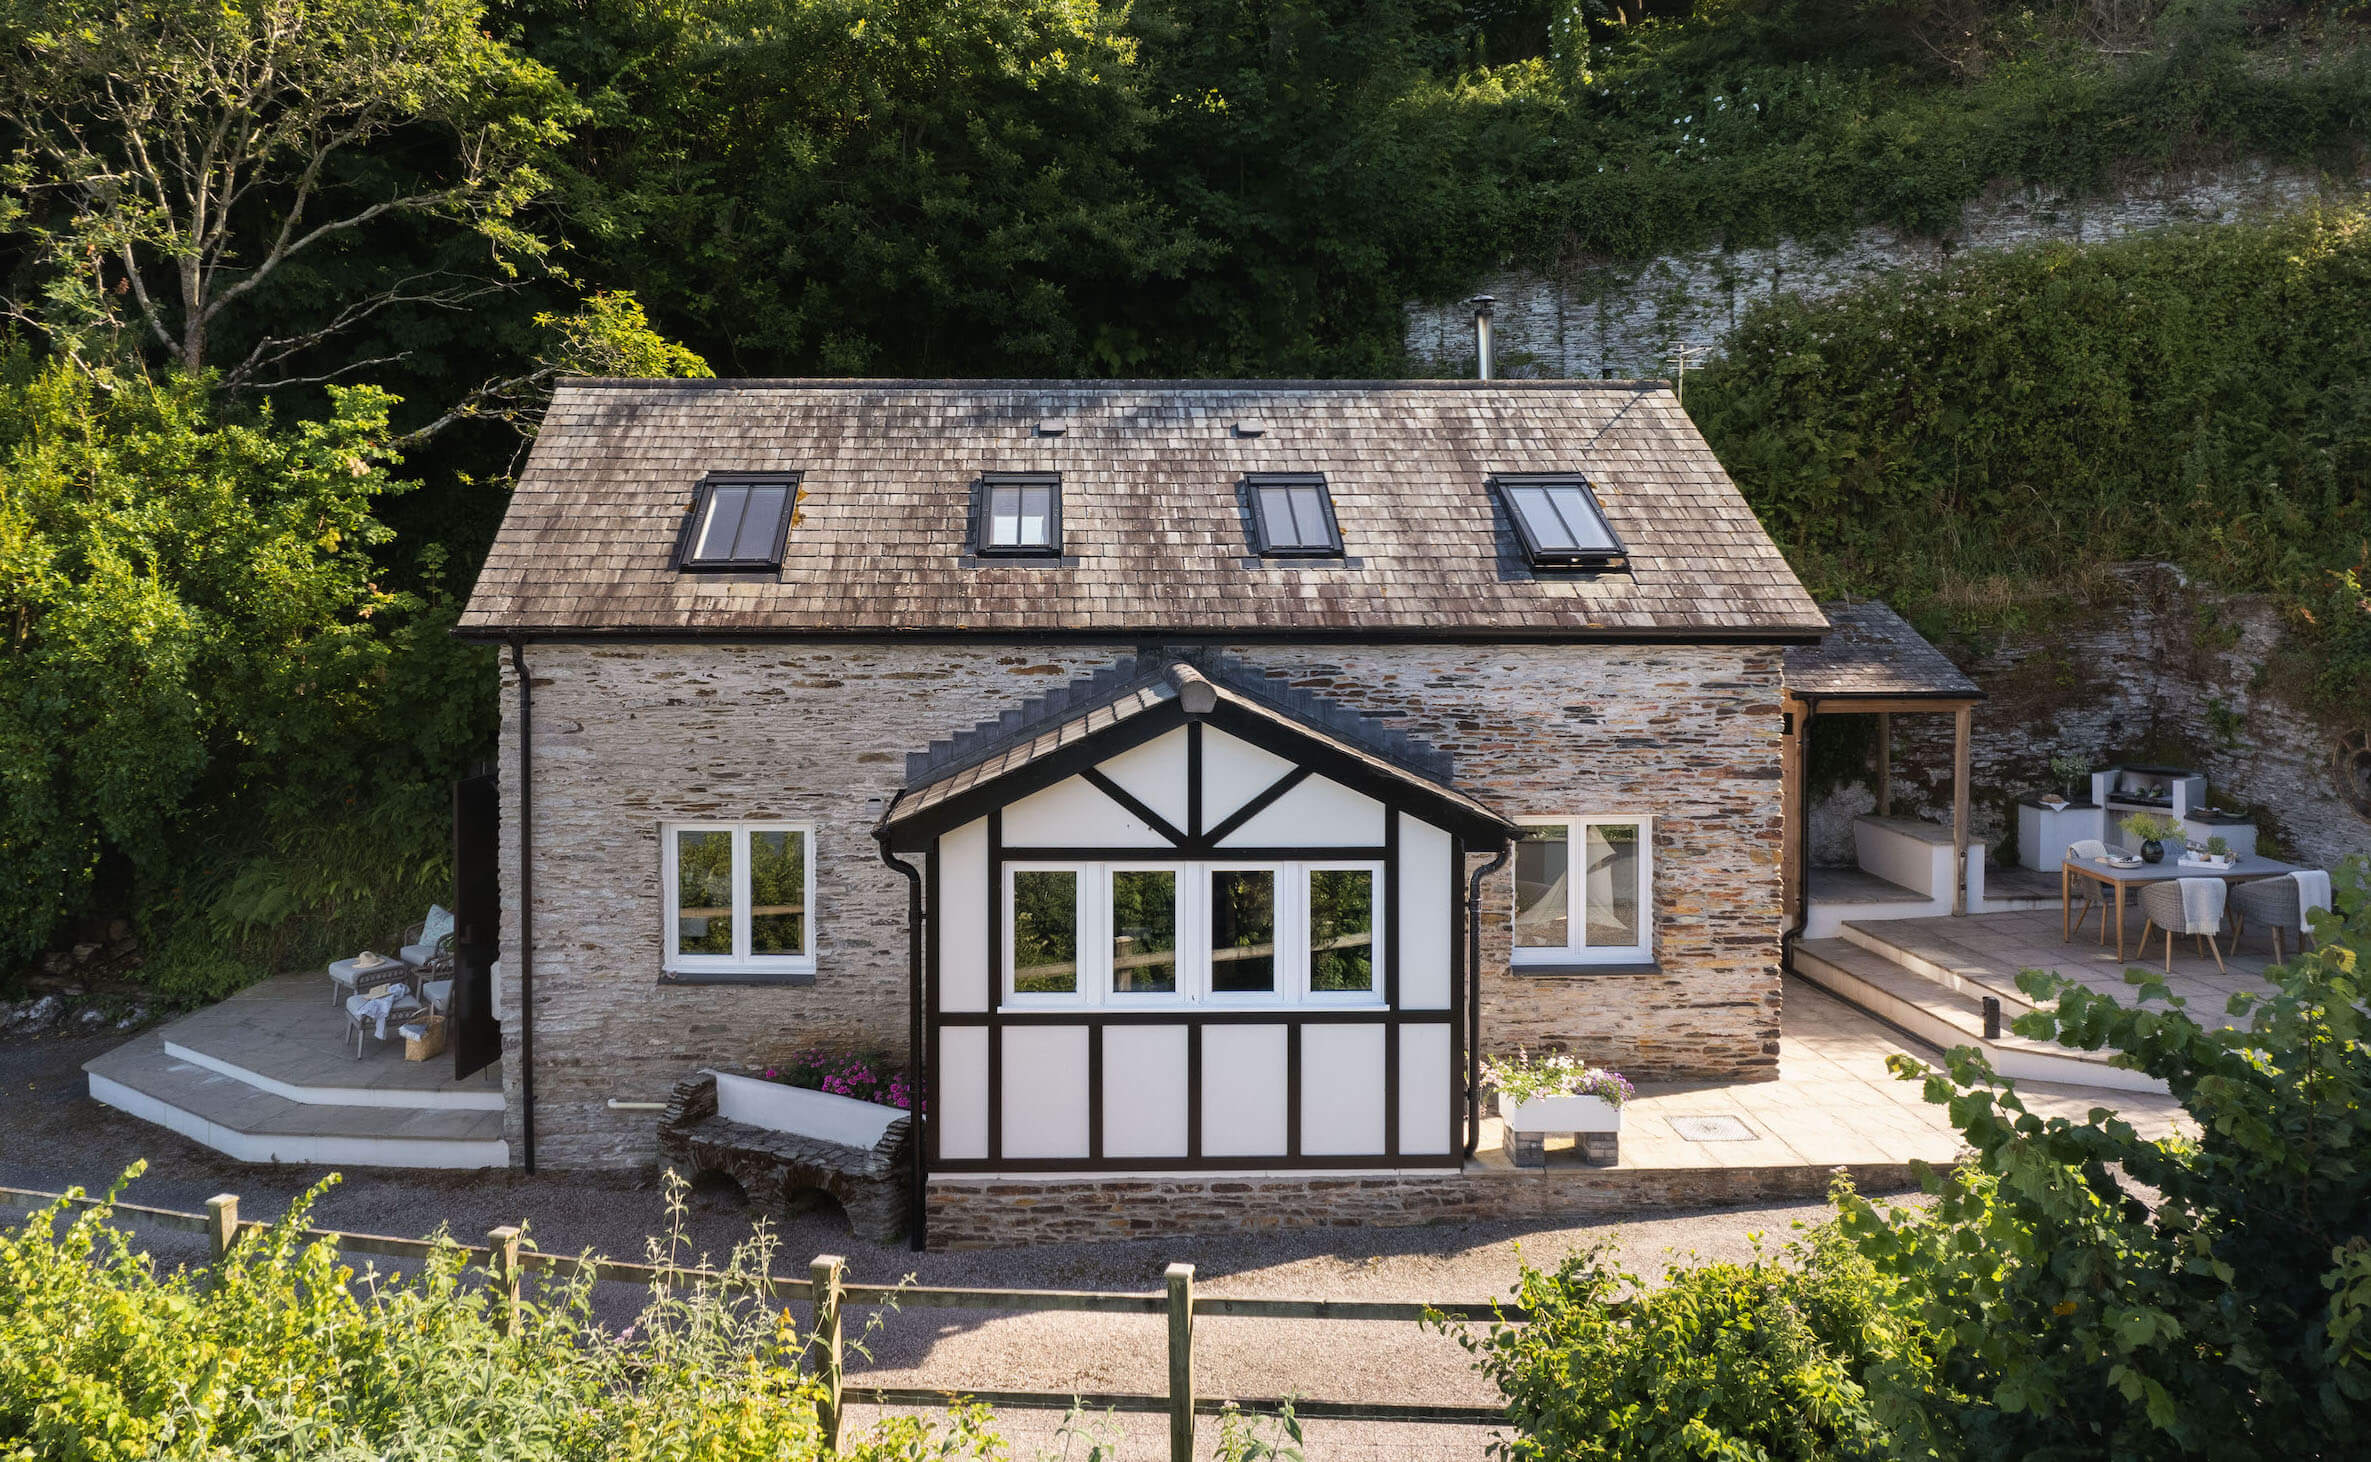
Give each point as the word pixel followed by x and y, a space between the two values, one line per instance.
pixel 1773 635
pixel 1085 387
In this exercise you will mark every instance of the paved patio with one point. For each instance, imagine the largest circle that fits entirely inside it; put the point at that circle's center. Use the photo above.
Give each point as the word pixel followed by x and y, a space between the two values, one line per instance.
pixel 1988 951
pixel 1834 1102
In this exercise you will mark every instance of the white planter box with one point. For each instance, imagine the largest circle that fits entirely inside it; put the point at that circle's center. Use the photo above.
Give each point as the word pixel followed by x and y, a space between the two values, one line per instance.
pixel 756 1102
pixel 2203 860
pixel 1562 1114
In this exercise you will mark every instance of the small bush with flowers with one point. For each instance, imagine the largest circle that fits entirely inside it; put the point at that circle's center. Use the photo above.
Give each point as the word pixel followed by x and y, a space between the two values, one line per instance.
pixel 868 1076
pixel 1523 1077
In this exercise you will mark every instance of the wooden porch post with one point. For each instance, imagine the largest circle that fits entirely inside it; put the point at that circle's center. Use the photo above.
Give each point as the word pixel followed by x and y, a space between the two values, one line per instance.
pixel 1790 807
pixel 1960 725
pixel 1885 764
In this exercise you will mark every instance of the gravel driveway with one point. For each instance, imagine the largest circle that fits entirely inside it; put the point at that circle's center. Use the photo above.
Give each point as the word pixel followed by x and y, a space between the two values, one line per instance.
pixel 54 1135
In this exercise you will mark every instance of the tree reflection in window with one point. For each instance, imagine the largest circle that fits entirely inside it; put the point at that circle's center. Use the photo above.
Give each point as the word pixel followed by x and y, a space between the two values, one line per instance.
pixel 704 892
pixel 777 892
pixel 1341 929
pixel 1144 932
pixel 1045 932
pixel 1243 931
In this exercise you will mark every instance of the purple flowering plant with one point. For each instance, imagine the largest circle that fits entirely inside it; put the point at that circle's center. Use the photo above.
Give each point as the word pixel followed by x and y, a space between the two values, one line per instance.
pixel 1524 1077
pixel 868 1076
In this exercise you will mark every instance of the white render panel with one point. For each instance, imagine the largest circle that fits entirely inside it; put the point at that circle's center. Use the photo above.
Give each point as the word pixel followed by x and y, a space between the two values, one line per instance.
pixel 1072 814
pixel 1426 886
pixel 1341 1089
pixel 1234 772
pixel 963 917
pixel 1316 814
pixel 1154 774
pixel 963 1091
pixel 1045 1091
pixel 1144 1091
pixel 1243 1090
pixel 1424 1089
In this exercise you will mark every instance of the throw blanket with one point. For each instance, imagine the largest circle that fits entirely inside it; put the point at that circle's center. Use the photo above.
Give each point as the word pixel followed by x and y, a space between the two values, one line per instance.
pixel 2202 905
pixel 364 1007
pixel 2313 892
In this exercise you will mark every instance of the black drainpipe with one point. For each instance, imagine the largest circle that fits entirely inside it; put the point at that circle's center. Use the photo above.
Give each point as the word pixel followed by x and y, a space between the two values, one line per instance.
pixel 918 1150
pixel 1473 998
pixel 518 665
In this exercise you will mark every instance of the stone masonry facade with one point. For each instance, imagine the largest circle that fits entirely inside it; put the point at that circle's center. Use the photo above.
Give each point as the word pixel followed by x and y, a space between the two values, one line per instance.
pixel 632 735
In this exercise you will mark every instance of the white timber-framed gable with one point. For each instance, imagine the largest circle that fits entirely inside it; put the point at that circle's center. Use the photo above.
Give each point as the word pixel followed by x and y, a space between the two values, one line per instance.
pixel 1192 935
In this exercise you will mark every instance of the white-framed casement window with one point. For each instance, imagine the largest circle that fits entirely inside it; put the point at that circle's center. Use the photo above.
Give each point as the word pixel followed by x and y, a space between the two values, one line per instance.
pixel 1133 935
pixel 1585 891
pixel 740 897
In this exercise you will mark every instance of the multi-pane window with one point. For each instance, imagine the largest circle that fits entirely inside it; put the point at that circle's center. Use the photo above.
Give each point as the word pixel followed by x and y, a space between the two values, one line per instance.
pixel 1130 933
pixel 1559 521
pixel 740 898
pixel 1292 516
pixel 738 524
pixel 1584 891
pixel 1020 513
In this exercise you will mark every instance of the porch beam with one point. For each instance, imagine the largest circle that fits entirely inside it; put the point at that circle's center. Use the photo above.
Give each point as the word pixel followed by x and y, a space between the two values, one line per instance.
pixel 1790 807
pixel 1885 764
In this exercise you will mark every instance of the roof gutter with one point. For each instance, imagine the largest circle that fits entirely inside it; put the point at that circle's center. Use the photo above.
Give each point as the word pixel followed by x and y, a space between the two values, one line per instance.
pixel 1138 634
pixel 1473 998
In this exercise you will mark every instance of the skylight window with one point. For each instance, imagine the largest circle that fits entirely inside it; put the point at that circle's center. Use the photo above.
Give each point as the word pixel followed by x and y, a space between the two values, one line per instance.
pixel 1020 513
pixel 1559 522
pixel 1292 516
pixel 738 524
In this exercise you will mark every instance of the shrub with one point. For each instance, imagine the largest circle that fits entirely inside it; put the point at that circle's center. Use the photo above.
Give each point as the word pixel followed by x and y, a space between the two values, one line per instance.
pixel 280 1351
pixel 1522 1077
pixel 1765 1360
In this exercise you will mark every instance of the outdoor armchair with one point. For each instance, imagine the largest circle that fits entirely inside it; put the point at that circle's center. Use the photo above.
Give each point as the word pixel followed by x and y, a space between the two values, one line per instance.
pixel 2184 906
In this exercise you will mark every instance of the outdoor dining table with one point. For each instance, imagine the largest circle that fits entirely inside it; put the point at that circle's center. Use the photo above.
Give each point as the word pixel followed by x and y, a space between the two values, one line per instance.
pixel 2108 876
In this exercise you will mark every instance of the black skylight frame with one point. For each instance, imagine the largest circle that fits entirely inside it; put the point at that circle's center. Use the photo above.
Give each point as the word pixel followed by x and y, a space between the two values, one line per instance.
pixel 1544 556
pixel 766 546
pixel 1255 508
pixel 982 520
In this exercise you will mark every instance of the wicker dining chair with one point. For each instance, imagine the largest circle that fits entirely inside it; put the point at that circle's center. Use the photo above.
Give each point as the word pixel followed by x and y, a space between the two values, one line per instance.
pixel 2167 906
pixel 2276 903
pixel 2078 851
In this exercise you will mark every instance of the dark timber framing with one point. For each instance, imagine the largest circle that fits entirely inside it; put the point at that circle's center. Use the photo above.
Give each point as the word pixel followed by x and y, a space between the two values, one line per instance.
pixel 1402 795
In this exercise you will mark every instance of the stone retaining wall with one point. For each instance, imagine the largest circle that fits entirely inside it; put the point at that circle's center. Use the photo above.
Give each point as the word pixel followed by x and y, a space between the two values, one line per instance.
pixel 997 1213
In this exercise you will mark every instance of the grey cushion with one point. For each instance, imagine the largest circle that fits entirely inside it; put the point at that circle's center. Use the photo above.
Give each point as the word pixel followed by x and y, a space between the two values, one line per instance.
pixel 417 955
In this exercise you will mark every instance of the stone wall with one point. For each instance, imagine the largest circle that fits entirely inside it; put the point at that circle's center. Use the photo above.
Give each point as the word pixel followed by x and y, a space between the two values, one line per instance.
pixel 1626 319
pixel 996 1213
pixel 630 735
pixel 2155 671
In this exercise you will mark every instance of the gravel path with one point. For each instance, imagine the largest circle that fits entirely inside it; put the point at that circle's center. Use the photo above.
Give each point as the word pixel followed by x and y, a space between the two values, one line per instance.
pixel 54 1135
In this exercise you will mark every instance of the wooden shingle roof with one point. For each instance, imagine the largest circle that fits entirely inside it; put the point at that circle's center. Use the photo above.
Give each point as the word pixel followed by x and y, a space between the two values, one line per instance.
pixel 1153 526
pixel 1874 654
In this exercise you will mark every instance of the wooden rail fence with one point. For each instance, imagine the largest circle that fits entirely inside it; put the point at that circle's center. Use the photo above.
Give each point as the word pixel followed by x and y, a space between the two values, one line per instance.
pixel 507 1260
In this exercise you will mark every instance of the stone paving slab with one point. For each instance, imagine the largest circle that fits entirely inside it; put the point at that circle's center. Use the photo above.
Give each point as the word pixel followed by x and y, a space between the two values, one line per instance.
pixel 287 1029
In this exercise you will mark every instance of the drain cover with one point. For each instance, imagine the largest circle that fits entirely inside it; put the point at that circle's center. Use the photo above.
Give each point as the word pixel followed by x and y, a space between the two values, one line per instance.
pixel 1712 1129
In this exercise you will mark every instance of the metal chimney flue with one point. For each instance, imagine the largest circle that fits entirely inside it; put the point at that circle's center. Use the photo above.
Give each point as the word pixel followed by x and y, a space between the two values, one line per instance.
pixel 1483 306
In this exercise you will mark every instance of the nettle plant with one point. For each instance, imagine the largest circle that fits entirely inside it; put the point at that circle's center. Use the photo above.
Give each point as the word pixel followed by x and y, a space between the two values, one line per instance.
pixel 1523 1077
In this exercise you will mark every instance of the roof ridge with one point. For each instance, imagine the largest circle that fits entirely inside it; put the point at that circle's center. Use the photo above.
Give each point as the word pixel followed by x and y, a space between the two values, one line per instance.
pixel 1130 383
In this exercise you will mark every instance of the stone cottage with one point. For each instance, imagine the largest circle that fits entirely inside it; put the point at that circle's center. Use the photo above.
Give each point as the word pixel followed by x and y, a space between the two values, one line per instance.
pixel 1185 775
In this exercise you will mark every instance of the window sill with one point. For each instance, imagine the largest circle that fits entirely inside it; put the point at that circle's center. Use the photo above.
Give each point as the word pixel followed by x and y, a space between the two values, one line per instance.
pixel 737 977
pixel 1560 971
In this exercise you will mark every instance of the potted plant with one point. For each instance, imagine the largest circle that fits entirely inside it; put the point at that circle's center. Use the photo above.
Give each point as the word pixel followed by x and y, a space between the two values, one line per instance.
pixel 2067 769
pixel 2215 853
pixel 1538 1095
pixel 2151 829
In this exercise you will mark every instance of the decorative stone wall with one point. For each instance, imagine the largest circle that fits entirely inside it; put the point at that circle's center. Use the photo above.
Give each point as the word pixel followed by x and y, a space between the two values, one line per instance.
pixel 1625 320
pixel 630 735
pixel 871 1184
pixel 1000 1213
pixel 2153 671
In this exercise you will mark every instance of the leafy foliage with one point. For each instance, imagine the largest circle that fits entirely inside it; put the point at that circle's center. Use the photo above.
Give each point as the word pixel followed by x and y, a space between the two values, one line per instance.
pixel 1771 1360
pixel 2092 1294
pixel 2195 395
pixel 280 1351
pixel 200 663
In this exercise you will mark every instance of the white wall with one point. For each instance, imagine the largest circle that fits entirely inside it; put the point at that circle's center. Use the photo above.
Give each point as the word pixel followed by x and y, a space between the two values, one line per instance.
pixel 1422 918
pixel 1073 814
pixel 1045 1091
pixel 1341 1089
pixel 1155 775
pixel 1315 814
pixel 963 918
pixel 1243 1090
pixel 962 1117
pixel 1425 1083
pixel 1234 772
pixel 1144 1091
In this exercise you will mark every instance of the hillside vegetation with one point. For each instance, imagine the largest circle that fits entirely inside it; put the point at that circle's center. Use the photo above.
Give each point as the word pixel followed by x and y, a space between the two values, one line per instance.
pixel 224 659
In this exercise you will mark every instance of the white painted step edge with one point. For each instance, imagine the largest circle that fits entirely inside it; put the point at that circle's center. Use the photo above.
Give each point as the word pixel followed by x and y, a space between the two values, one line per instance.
pixel 274 1147
pixel 340 1096
pixel 2014 1062
pixel 2013 1000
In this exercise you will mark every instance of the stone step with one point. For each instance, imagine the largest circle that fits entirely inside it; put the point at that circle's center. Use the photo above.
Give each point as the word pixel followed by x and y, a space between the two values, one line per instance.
pixel 232 1116
pixel 1946 1017
pixel 1974 977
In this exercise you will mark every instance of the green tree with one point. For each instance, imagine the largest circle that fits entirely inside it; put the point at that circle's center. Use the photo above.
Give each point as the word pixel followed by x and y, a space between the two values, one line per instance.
pixel 2093 1294
pixel 199 656
pixel 218 182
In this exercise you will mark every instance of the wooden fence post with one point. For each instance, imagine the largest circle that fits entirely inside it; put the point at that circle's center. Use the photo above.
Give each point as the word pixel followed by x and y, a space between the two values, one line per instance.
pixel 1181 1362
pixel 824 1278
pixel 505 1264
pixel 222 1214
